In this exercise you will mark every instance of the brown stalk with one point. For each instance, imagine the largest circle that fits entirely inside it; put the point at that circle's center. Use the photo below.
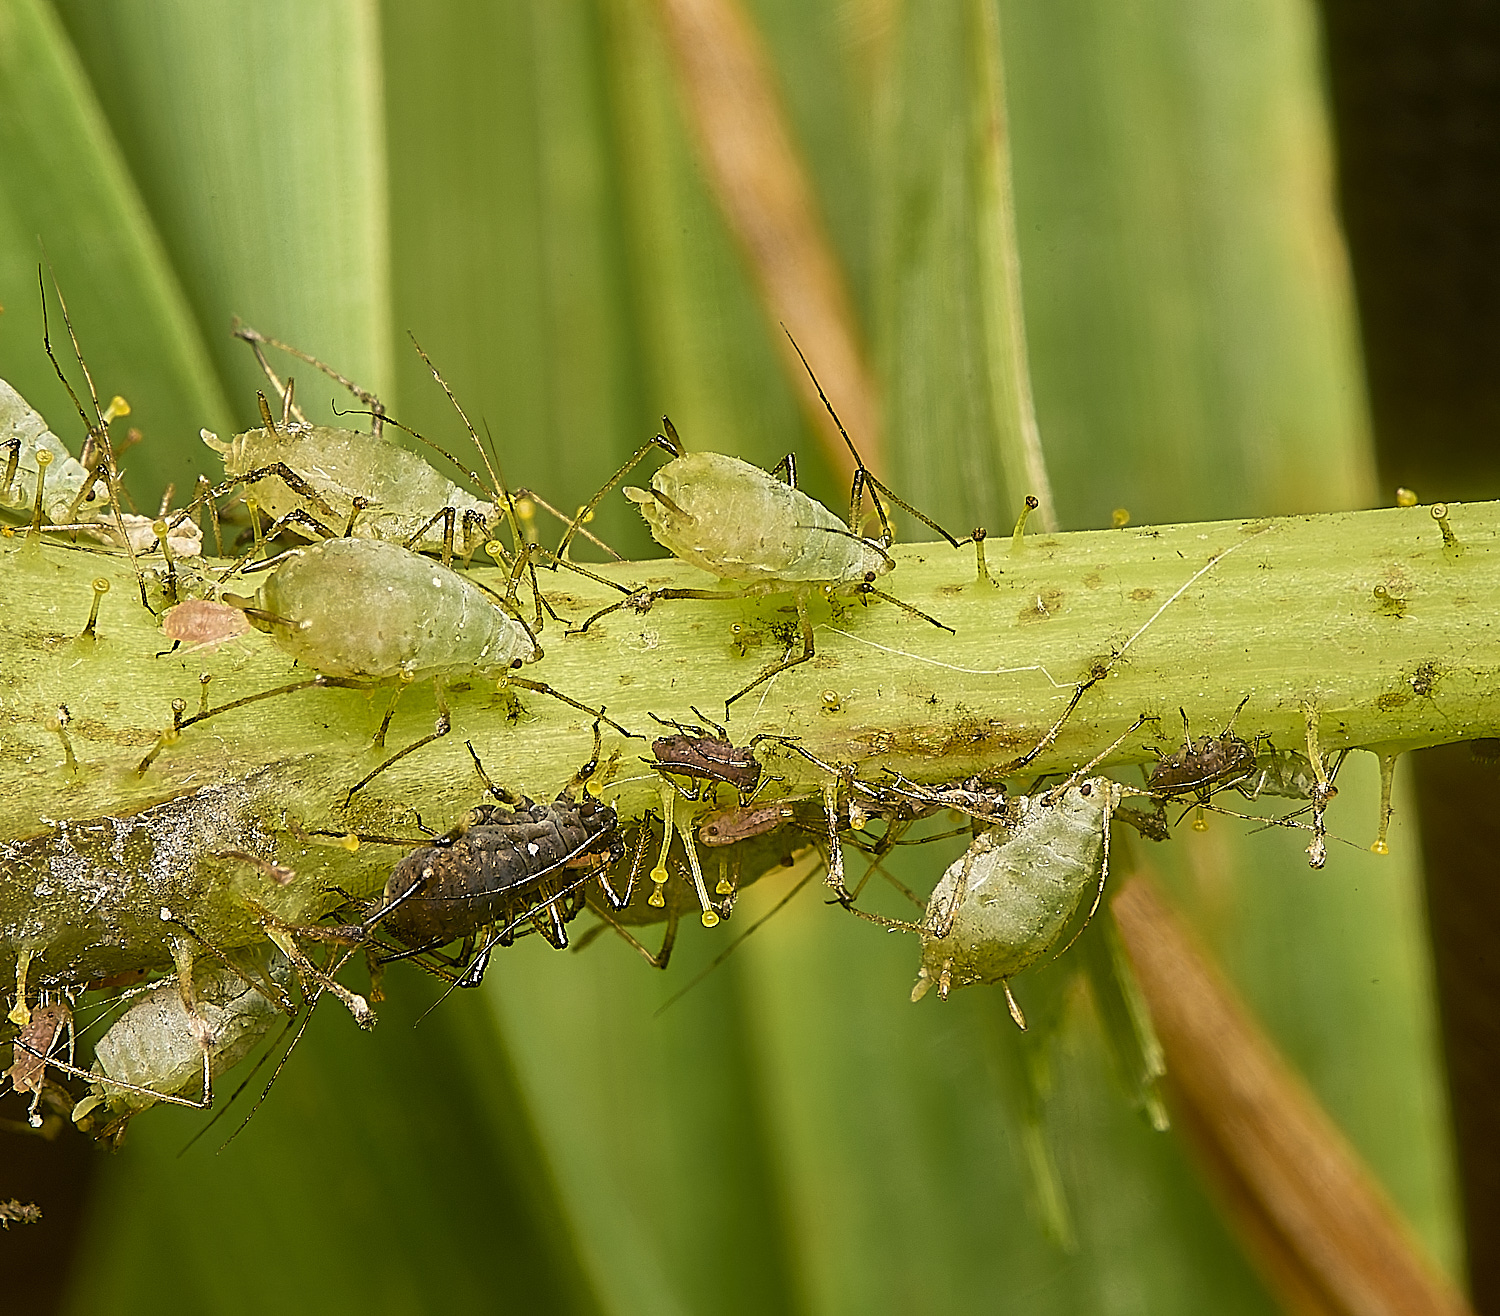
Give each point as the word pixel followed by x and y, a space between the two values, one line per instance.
pixel 1309 1213
pixel 762 186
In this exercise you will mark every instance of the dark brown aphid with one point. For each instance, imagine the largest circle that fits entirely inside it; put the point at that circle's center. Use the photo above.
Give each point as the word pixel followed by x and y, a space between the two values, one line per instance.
pixel 692 752
pixel 1203 766
pixel 500 868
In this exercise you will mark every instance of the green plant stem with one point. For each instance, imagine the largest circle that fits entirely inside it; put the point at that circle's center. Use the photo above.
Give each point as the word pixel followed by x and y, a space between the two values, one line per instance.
pixel 1366 618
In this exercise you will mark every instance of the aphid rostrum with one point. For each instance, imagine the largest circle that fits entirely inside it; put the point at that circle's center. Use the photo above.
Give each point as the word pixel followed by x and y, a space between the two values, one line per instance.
pixel 760 534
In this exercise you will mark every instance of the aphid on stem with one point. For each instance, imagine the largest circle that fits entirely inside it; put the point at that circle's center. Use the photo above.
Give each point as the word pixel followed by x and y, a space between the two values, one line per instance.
pixel 756 531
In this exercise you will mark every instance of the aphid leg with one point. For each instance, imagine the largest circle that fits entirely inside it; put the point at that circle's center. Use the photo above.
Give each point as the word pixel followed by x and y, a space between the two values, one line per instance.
pixel 448 516
pixel 284 939
pixel 11 462
pixel 775 669
pixel 670 446
pixel 1045 743
pixel 441 728
pixel 1387 782
pixel 643 840
pixel 867 590
pixel 862 475
pixel 834 877
pixel 264 985
pixel 541 688
pixel 98 429
pixel 1323 791
pixel 104 1081
pixel 403 682
pixel 658 959
pixel 579 780
pixel 524 496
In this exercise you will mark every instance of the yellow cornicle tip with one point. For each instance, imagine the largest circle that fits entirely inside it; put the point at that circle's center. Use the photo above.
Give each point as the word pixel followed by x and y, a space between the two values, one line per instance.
pixel 1380 847
pixel 656 900
pixel 350 842
pixel 117 407
pixel 723 889
pixel 710 919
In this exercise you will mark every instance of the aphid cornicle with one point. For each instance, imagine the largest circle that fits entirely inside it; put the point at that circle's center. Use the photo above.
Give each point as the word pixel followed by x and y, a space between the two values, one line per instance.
pixel 1008 900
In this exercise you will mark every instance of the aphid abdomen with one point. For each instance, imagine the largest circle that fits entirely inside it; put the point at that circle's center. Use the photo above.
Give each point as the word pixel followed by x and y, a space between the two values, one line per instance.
pixel 23 433
pixel 402 490
pixel 156 1045
pixel 366 608
pixel 1283 772
pixel 1214 761
pixel 740 523
pixel 1016 893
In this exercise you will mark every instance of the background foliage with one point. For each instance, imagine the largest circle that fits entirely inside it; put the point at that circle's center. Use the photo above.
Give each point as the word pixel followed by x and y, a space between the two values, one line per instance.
pixel 515 184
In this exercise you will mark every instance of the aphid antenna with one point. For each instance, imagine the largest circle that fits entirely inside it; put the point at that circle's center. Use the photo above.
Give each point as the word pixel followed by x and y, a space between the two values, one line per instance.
pixel 1079 773
pixel 501 793
pixel 562 516
pixel 104 1080
pixel 243 1084
pixel 671 446
pixel 268 989
pixel 863 475
pixel 280 1064
pixel 245 333
pixel 98 429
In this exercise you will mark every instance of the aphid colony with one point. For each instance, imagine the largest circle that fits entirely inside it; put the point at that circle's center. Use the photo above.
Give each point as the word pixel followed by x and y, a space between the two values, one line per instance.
pixel 360 602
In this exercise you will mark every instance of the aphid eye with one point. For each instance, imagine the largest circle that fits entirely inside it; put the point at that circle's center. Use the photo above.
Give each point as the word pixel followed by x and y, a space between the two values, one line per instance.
pixel 869 578
pixel 1086 789
pixel 516 664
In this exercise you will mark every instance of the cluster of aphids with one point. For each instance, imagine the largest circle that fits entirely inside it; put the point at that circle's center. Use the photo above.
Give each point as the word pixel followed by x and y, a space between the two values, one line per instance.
pixel 370 516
